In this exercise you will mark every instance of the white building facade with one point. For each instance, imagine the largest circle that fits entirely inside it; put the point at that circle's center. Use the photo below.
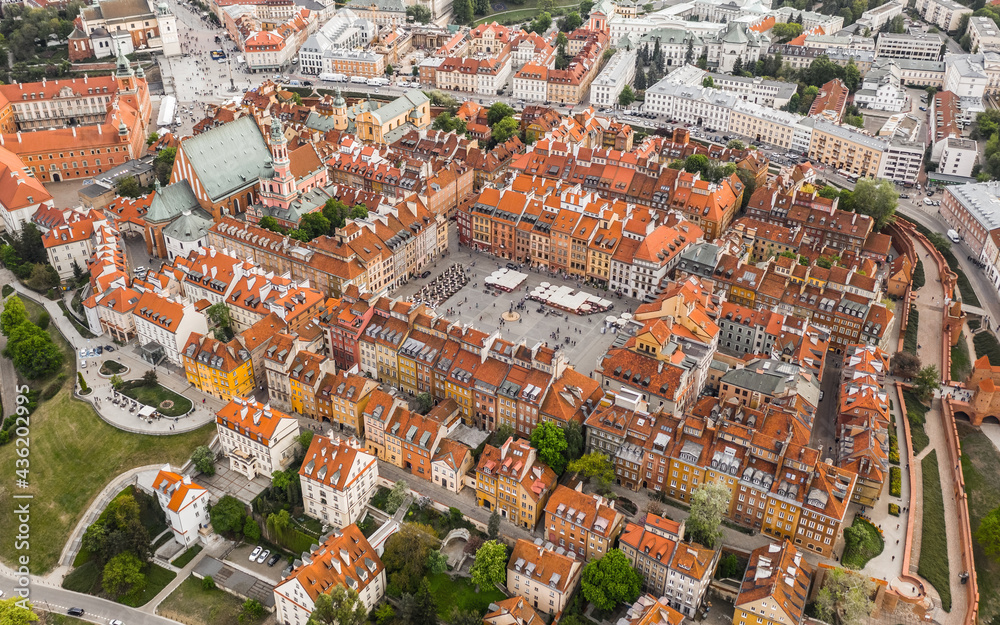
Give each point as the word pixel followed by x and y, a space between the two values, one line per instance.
pixel 338 478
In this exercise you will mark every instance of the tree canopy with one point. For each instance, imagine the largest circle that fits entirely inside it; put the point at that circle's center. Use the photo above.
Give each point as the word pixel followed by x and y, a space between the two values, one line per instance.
pixel 123 575
pixel 227 515
pixel 877 199
pixel 550 441
pixel 610 580
pixel 845 598
pixel 709 503
pixel 490 566
pixel 406 555
pixel 340 606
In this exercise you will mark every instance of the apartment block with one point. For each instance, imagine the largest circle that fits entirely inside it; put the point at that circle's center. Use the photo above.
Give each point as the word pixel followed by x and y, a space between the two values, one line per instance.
pixel 586 525
pixel 511 480
pixel 945 14
pixel 257 439
pixel 916 46
pixel 338 478
pixel 542 575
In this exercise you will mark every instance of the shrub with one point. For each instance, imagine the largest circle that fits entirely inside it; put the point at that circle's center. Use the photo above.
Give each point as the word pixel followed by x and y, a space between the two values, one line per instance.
pixel 895 481
pixel 6 290
pixel 83 383
pixel 51 390
pixel 894 509
pixel 207 583
pixel 43 319
pixel 893 444
pixel 918 276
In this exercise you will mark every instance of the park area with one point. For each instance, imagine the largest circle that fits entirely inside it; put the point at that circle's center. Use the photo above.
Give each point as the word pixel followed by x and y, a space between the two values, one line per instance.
pixel 191 602
pixel 863 542
pixel 934 565
pixel 166 402
pixel 981 466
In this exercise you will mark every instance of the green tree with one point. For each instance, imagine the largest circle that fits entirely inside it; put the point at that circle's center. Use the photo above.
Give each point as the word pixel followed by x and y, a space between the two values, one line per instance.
pixel 501 434
pixel 251 531
pixel 493 527
pixel 314 225
pixel 14 314
pixel 697 163
pixel 220 315
pixel 482 7
pixel 783 33
pixel 32 352
pixel 208 583
pixel 550 441
pixel 425 401
pixel 270 223
pixel 340 606
pixel 425 612
pixel 736 144
pixel 573 433
pixel 640 80
pixel 203 459
pixel 400 491
pixel 129 187
pixel 504 130
pixel 384 614
pixel 227 515
pixel 497 112
pixel 626 97
pixel 852 76
pixel 988 534
pixel 123 575
pixel 463 617
pixel 877 199
pixel 541 23
pixel 738 66
pixel 490 566
pixel 250 611
pixel 406 555
pixel 13 612
pixel 918 280
pixel 462 11
pixel 571 22
pixel 163 164
pixel 389 70
pixel 709 503
pixel 305 439
pixel 610 581
pixel 437 562
pixel 749 180
pixel 926 382
pixel 594 465
pixel 149 378
pixel 845 598
pixel 729 567
pixel 419 13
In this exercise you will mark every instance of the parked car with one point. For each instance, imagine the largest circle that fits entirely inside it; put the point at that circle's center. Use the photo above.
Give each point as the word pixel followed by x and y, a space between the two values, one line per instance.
pixel 140 269
pixel 425 274
pixel 263 556
pixel 100 350
pixel 115 622
pixel 75 611
pixel 83 364
pixel 256 552
pixel 109 348
pixel 928 201
pixel 274 559
pixel 83 352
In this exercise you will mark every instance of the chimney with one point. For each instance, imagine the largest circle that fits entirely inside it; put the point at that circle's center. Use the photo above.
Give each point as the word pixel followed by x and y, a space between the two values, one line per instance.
pixel 74 131
pixel 18 136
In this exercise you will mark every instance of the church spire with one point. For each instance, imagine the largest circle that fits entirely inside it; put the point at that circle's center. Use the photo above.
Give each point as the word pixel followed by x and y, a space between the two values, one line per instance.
pixel 122 66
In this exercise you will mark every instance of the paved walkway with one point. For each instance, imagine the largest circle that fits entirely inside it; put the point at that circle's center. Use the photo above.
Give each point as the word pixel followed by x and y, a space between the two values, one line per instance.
pixel 929 303
pixel 169 376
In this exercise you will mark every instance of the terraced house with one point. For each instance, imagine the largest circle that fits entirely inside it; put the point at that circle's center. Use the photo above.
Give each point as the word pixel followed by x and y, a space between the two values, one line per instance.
pixel 586 525
pixel 338 478
pixel 223 370
pixel 511 480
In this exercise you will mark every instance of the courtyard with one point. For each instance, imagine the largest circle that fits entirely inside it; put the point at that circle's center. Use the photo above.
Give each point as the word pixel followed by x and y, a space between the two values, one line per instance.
pixel 580 337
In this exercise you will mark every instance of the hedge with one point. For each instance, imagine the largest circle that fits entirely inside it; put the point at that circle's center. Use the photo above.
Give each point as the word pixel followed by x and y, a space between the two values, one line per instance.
pixel 895 481
pixel 918 276
pixel 912 326
pixel 893 443
pixel 894 509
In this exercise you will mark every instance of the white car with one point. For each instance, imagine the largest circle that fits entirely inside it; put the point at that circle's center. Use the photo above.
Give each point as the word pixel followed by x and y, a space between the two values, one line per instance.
pixel 83 364
pixel 256 552
pixel 83 352
pixel 263 556
pixel 115 622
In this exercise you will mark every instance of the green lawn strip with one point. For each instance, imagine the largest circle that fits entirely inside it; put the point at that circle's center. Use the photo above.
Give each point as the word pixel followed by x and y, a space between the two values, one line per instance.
pixel 156 395
pixel 162 540
pixel 912 326
pixel 934 534
pixel 981 466
pixel 986 344
pixel 961 365
pixel 185 558
pixel 67 437
pixel 190 603
pixel 54 618
pixel 916 415
pixel 862 544
pixel 460 592
pixel 87 579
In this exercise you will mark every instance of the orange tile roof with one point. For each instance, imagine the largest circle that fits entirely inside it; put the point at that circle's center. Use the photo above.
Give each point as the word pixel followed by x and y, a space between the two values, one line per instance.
pixel 346 558
pixel 250 418
pixel 330 462
pixel 177 486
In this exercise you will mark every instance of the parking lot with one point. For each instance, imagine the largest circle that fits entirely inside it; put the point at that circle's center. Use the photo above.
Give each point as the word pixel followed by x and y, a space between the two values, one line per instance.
pixel 472 306
pixel 241 558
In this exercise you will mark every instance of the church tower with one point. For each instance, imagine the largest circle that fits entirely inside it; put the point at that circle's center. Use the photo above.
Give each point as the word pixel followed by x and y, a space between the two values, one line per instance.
pixel 123 74
pixel 279 189
pixel 339 112
pixel 167 25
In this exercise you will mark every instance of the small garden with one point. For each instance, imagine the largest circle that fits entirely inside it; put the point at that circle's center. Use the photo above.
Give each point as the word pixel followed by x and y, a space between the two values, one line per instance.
pixel 895 481
pixel 912 327
pixel 934 566
pixel 147 390
pixel 916 414
pixel 863 541
pixel 185 558
pixel 113 367
pixel 114 560
pixel 893 442
pixel 961 364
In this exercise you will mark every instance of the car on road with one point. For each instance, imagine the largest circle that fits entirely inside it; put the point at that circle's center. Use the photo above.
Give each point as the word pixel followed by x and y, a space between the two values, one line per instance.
pixel 274 559
pixel 425 274
pixel 109 348
pixel 923 108
pixel 263 556
pixel 256 552
pixel 511 266
pixel 928 201
pixel 904 196
pixel 139 269
pixel 99 350
pixel 75 611
pixel 83 364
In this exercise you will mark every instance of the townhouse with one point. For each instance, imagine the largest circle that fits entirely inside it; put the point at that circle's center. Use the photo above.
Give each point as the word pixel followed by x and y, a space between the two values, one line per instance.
pixel 164 324
pixel 338 479
pixel 184 503
pixel 511 480
pixel 257 439
pixel 679 572
pixel 586 525
pixel 343 558
pixel 775 587
pixel 544 577
pixel 220 369
pixel 412 439
pixel 341 399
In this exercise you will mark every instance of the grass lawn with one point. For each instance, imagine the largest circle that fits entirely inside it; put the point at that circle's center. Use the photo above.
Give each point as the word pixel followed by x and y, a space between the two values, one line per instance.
pixel 981 465
pixel 864 542
pixel 156 395
pixel 110 367
pixel 69 361
pixel 987 345
pixel 521 12
pixel 460 592
pixel 66 437
pixel 378 500
pixel 961 365
pixel 189 603
pixel 52 618
pixel 934 537
pixel 157 579
pixel 185 558
pixel 912 327
pixel 916 413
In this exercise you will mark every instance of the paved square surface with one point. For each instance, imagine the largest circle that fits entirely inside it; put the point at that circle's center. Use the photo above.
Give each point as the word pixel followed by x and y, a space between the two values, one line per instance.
pixel 240 557
pixel 229 482
pixel 471 305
